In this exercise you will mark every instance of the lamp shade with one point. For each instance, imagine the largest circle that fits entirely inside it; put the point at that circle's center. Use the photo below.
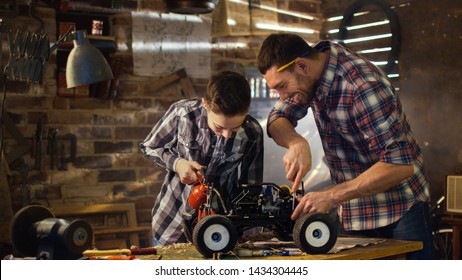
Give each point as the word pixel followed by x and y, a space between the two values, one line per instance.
pixel 85 64
pixel 191 6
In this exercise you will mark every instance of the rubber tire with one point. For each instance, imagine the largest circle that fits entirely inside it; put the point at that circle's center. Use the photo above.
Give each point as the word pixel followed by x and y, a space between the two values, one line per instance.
pixel 312 223
pixel 214 226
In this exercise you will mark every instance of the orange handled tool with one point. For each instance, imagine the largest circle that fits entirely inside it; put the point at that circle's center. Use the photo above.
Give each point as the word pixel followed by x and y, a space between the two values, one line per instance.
pixel 126 252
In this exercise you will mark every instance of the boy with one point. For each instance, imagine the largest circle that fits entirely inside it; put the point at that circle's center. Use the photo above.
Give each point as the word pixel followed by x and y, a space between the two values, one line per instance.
pixel 215 133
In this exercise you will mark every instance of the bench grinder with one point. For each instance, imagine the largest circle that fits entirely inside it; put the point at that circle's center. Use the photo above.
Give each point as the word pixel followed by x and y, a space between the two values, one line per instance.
pixel 35 232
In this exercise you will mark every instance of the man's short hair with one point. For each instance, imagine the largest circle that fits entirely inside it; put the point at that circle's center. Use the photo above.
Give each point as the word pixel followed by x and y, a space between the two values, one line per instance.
pixel 279 49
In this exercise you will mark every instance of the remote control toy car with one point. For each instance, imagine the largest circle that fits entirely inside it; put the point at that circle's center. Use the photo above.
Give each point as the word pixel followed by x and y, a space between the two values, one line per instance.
pixel 215 224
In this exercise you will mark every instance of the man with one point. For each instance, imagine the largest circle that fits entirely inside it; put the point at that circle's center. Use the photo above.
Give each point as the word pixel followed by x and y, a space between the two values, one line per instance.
pixel 215 133
pixel 380 187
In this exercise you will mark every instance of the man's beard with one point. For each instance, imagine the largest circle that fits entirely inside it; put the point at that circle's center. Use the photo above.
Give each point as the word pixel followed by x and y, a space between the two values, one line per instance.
pixel 307 86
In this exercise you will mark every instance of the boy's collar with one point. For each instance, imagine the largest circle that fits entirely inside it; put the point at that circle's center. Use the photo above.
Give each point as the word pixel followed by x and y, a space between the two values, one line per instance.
pixel 202 122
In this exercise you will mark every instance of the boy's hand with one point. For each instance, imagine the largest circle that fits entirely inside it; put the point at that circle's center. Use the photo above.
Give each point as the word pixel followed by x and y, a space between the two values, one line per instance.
pixel 187 171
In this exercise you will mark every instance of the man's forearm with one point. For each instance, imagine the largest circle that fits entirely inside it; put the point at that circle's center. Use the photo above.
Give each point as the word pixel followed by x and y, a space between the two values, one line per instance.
pixel 379 178
pixel 283 133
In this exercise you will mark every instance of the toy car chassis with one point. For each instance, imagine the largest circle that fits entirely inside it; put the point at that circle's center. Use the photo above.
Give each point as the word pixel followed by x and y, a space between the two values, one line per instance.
pixel 214 225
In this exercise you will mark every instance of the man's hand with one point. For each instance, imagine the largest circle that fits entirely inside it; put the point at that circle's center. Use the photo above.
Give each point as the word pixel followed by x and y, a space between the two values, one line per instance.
pixel 187 170
pixel 297 162
pixel 320 202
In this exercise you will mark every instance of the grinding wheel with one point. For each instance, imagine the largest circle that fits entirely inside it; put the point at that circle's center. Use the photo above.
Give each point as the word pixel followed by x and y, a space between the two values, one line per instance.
pixel 20 229
pixel 36 232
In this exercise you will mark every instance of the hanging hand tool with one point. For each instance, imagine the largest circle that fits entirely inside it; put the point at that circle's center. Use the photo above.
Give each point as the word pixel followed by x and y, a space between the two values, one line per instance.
pixel 72 150
pixel 25 188
pixel 37 146
pixel 52 147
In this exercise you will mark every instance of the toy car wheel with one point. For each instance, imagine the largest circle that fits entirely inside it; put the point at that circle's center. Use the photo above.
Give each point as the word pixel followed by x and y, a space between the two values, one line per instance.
pixel 315 233
pixel 214 234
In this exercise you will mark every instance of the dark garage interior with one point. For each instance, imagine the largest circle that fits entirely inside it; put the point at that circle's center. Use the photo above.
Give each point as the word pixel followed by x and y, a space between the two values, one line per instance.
pixel 75 150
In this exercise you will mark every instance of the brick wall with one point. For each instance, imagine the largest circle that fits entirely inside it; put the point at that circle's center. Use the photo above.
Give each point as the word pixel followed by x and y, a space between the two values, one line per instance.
pixel 108 167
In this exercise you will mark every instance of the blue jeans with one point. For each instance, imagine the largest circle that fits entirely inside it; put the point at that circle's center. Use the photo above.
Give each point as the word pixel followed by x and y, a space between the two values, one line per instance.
pixel 155 242
pixel 414 225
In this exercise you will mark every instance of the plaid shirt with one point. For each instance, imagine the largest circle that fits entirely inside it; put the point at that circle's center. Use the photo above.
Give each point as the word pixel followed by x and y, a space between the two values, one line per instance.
pixel 361 122
pixel 183 132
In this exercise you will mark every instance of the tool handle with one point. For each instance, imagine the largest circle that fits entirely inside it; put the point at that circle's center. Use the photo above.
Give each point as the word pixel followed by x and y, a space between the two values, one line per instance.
pixel 266 253
pixel 99 253
pixel 120 257
pixel 37 146
pixel 144 251
pixel 249 253
pixel 114 257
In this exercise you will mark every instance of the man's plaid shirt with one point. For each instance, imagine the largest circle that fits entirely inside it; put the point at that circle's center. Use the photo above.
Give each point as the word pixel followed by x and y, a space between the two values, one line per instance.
pixel 183 132
pixel 361 122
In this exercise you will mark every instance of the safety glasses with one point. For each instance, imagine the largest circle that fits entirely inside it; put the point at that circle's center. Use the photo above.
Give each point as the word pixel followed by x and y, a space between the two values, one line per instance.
pixel 291 62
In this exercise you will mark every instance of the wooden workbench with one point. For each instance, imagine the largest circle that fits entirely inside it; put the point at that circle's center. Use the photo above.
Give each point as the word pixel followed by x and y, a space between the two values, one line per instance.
pixel 388 249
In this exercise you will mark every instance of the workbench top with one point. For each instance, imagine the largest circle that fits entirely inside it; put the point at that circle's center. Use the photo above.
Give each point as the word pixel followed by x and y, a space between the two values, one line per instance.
pixel 387 249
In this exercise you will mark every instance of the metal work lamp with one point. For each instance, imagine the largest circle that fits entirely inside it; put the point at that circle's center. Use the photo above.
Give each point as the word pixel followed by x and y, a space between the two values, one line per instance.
pixel 29 54
pixel 85 64
pixel 191 6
